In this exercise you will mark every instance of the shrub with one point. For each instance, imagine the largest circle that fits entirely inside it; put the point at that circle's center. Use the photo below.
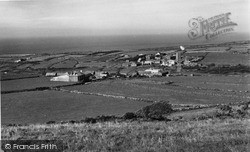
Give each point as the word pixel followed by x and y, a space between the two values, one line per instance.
pixel 89 120
pixel 129 115
pixel 156 110
pixel 50 122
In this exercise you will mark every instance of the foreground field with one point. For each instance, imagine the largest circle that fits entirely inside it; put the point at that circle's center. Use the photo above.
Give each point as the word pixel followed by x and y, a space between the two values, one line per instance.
pixel 43 106
pixel 229 135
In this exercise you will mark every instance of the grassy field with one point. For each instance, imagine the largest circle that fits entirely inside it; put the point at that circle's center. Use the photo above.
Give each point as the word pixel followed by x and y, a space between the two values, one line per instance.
pixel 233 82
pixel 183 90
pixel 47 64
pixel 228 135
pixel 12 75
pixel 227 58
pixel 29 83
pixel 44 57
pixel 65 64
pixel 43 106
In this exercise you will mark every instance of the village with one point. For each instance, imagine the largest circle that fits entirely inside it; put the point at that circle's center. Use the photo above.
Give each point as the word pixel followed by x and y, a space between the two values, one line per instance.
pixel 160 64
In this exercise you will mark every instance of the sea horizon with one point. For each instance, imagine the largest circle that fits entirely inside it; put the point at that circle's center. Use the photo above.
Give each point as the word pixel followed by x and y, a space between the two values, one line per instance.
pixel 40 45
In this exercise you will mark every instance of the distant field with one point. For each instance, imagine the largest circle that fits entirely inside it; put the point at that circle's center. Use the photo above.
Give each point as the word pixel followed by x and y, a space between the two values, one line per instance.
pixel 47 64
pixel 92 64
pixel 17 75
pixel 184 90
pixel 29 83
pixel 45 57
pixel 217 49
pixel 227 58
pixel 43 106
pixel 219 82
pixel 65 64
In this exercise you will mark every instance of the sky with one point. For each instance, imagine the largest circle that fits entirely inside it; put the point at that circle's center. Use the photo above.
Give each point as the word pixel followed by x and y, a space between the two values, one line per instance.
pixel 48 18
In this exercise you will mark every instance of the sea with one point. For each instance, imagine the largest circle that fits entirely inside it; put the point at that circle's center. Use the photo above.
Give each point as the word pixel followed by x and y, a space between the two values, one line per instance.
pixel 40 45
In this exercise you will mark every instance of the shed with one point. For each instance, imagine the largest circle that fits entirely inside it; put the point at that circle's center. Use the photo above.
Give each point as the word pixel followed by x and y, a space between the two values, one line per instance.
pixel 51 74
pixel 76 77
pixel 71 77
pixel 64 78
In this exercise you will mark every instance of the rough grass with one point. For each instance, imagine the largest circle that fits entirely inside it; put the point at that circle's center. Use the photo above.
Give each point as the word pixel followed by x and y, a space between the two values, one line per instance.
pixel 230 135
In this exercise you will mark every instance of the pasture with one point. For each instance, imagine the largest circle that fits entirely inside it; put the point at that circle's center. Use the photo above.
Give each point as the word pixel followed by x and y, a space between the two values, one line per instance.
pixel 29 83
pixel 226 58
pixel 67 64
pixel 183 90
pixel 43 106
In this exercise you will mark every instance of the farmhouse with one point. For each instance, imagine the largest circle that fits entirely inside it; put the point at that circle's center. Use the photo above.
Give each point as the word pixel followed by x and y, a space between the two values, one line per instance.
pixel 52 74
pixel 101 74
pixel 128 72
pixel 76 77
pixel 64 78
pixel 165 62
pixel 71 77
pixel 151 72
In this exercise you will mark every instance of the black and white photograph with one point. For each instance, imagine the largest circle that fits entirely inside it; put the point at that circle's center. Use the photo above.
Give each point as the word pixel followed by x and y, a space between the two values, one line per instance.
pixel 125 75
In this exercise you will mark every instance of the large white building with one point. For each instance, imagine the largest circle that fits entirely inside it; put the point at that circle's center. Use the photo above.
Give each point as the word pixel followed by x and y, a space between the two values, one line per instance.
pixel 69 77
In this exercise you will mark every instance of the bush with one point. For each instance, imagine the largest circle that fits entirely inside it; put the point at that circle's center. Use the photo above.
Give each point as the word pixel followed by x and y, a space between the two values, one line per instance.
pixel 103 118
pixel 129 115
pixel 89 120
pixel 50 122
pixel 156 110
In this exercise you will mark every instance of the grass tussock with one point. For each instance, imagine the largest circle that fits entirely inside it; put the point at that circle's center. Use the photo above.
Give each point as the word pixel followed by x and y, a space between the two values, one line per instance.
pixel 229 135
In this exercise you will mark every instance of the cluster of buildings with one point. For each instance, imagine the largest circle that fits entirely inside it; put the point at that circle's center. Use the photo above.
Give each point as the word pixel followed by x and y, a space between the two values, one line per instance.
pixel 77 76
pixel 154 72
pixel 21 60
pixel 68 77
pixel 140 65
pixel 164 59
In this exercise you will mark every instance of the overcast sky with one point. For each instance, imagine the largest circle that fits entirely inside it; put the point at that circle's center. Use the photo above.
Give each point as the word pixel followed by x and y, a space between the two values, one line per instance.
pixel 23 18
